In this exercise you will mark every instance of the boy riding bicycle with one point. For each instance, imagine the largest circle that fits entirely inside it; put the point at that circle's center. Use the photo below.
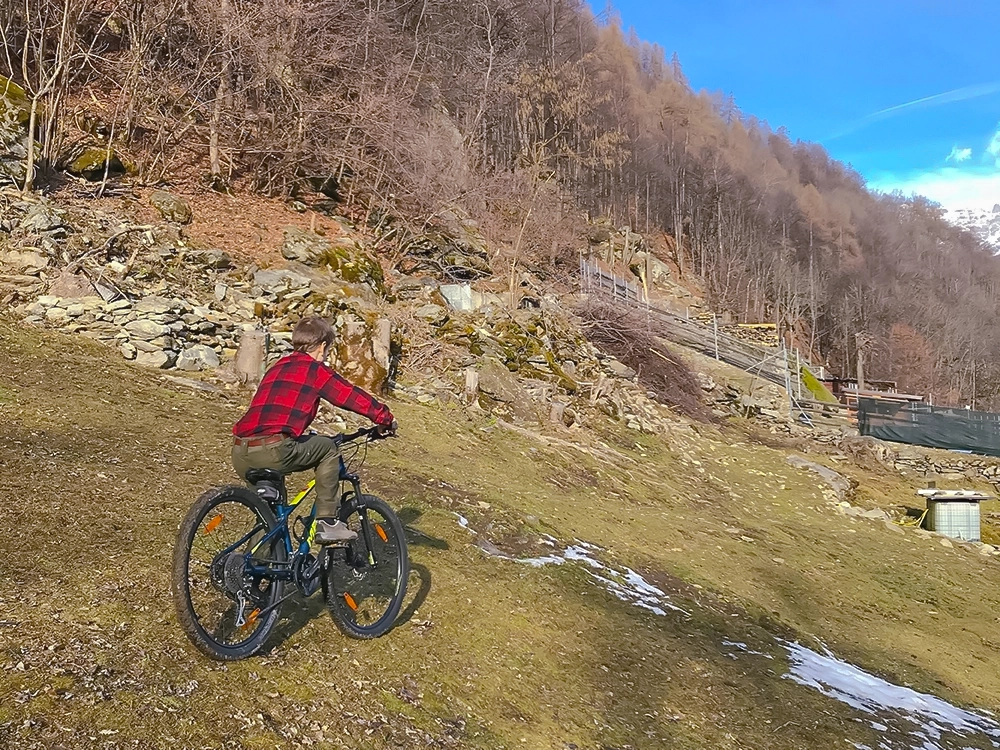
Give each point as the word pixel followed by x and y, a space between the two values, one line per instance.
pixel 272 434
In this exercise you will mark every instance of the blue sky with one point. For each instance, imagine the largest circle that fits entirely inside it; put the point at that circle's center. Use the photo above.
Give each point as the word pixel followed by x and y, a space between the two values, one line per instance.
pixel 906 92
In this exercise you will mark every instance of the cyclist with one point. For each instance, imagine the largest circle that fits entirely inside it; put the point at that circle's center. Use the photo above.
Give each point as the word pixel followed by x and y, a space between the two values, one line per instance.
pixel 272 434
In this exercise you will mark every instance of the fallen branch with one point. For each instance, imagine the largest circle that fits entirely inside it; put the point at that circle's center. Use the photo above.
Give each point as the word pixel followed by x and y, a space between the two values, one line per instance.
pixel 74 266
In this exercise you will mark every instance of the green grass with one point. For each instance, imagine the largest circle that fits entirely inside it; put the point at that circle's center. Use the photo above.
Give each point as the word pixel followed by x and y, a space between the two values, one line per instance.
pixel 99 460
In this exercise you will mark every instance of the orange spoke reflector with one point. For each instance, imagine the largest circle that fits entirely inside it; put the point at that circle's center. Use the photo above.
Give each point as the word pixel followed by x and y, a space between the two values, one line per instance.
pixel 350 601
pixel 381 532
pixel 211 525
pixel 251 619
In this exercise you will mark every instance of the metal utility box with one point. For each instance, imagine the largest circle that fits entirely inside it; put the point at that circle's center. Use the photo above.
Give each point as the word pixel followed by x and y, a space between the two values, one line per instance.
pixel 954 513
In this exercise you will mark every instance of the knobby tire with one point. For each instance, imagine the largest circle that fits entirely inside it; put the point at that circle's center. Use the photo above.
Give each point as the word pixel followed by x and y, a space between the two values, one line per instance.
pixel 377 592
pixel 199 524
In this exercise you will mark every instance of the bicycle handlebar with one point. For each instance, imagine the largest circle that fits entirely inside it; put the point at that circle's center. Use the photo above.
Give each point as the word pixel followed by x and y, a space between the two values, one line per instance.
pixel 372 433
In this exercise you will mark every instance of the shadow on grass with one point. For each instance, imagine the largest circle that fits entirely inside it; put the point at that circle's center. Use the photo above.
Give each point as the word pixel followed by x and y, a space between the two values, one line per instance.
pixel 698 679
pixel 296 614
pixel 423 574
pixel 299 612
pixel 416 538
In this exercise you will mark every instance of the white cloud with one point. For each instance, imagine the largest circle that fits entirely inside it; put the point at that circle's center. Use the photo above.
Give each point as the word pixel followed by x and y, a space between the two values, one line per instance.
pixel 935 100
pixel 993 147
pixel 959 154
pixel 953 188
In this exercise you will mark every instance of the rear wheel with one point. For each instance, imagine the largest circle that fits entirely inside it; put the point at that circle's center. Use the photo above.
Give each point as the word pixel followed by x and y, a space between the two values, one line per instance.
pixel 226 610
pixel 365 580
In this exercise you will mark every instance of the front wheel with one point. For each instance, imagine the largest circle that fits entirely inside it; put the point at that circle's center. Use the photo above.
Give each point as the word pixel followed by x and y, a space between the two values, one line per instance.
pixel 224 607
pixel 365 581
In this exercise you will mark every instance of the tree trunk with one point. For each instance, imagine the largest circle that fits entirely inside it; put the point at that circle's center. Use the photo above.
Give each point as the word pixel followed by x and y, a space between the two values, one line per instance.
pixel 29 162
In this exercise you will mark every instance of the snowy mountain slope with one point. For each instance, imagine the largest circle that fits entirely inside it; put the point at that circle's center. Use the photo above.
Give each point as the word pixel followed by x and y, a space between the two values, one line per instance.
pixel 985 223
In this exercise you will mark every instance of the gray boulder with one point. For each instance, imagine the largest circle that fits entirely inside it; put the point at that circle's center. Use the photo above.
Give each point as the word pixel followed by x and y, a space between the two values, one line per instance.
pixel 160 360
pixel 280 280
pixel 153 304
pixel 171 207
pixel 304 246
pixel 41 218
pixel 431 313
pixel 197 357
pixel 146 330
pixel 499 383
pixel 619 369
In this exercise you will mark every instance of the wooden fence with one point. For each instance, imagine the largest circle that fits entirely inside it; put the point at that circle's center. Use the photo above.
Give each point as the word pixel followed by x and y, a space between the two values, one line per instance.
pixel 774 364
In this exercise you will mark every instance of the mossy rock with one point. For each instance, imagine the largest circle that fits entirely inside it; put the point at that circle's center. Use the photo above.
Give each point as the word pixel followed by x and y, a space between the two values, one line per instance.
pixel 355 358
pixel 350 262
pixel 171 207
pixel 342 255
pixel 15 112
pixel 93 161
pixel 15 106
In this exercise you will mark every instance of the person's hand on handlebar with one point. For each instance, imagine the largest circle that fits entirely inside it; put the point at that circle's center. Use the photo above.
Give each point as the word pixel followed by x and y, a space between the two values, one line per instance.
pixel 386 430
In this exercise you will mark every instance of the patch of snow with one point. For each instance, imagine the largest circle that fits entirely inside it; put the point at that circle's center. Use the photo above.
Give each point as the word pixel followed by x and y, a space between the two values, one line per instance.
pixel 746 649
pixel 921 721
pixel 927 719
pixel 983 223
pixel 625 585
pixel 537 562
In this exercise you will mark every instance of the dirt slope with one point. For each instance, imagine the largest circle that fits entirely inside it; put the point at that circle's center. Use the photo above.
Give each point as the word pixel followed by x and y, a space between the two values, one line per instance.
pixel 709 553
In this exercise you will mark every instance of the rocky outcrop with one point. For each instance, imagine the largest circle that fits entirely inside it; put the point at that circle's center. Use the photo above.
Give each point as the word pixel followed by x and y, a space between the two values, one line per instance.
pixel 343 255
pixel 454 249
pixel 14 115
pixel 156 301
pixel 93 162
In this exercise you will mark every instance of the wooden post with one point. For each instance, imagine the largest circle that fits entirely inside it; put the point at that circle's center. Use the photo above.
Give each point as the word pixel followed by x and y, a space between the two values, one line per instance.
pixel 788 384
pixel 251 356
pixel 798 373
pixel 861 369
pixel 471 385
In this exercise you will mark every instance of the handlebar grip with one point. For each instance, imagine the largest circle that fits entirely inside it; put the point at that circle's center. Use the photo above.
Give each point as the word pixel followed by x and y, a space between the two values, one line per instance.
pixel 372 432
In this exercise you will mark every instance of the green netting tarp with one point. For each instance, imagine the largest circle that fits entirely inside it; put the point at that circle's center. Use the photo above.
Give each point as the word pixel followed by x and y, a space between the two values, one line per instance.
pixel 932 426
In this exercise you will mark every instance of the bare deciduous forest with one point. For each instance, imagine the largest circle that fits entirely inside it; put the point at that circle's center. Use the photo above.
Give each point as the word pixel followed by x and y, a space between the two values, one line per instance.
pixel 527 113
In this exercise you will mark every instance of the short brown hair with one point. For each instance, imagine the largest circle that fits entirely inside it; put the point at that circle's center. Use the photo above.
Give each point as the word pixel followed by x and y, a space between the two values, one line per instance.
pixel 310 333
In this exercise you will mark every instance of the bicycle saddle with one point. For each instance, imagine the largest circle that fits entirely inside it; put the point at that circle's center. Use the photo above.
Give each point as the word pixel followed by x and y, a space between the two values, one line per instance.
pixel 256 476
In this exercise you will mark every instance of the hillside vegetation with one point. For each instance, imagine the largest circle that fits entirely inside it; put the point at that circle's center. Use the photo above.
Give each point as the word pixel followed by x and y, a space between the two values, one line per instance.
pixel 591 568
pixel 709 553
pixel 525 113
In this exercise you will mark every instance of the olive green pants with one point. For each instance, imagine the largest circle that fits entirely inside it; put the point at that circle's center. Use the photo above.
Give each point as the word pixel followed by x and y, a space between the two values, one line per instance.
pixel 299 454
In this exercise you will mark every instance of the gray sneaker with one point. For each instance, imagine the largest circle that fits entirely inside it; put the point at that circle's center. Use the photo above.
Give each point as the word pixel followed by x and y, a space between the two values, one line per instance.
pixel 331 532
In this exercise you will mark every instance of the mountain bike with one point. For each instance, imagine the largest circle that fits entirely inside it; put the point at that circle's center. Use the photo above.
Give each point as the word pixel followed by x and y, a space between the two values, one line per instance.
pixel 236 555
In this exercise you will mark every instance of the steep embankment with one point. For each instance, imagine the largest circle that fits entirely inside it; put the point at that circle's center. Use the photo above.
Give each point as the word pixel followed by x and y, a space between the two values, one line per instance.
pixel 100 458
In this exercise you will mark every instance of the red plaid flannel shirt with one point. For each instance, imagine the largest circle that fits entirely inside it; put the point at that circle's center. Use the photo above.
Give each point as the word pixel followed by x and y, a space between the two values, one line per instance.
pixel 288 397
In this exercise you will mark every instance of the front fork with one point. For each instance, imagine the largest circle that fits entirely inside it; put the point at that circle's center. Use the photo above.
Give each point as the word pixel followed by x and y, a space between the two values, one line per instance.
pixel 366 527
pixel 309 574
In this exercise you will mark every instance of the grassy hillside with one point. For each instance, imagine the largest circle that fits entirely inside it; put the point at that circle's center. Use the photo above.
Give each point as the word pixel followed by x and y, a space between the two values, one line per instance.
pixel 99 460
